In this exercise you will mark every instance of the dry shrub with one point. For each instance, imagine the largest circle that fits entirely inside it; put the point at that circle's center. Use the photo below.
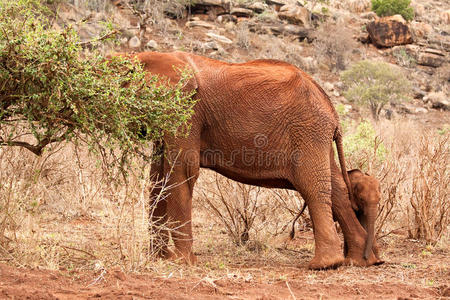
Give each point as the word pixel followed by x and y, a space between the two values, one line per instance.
pixel 333 44
pixel 247 212
pixel 60 211
pixel 429 216
pixel 284 49
pixel 356 6
pixel 243 38
pixel 414 179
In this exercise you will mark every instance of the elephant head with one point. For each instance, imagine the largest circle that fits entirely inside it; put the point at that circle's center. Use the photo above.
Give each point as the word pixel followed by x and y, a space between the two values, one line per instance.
pixel 367 195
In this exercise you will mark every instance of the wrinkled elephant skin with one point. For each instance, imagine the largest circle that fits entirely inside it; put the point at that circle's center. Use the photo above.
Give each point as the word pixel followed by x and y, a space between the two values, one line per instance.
pixel 265 123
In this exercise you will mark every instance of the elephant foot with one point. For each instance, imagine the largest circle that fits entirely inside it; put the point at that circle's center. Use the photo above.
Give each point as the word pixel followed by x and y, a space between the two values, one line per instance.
pixel 178 256
pixel 323 262
pixel 358 260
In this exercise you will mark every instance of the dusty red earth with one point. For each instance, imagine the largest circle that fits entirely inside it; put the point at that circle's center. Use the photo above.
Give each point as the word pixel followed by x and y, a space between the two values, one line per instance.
pixel 420 277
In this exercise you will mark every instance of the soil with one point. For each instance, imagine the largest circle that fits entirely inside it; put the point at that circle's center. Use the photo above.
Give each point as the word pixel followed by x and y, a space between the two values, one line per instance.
pixel 407 274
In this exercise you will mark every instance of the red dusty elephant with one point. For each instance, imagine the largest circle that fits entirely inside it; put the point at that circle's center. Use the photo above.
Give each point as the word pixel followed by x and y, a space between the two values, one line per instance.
pixel 265 123
pixel 366 196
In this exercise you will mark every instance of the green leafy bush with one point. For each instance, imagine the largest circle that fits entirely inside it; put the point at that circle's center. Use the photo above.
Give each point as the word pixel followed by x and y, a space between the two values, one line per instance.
pixel 363 147
pixel 52 90
pixel 374 84
pixel 385 8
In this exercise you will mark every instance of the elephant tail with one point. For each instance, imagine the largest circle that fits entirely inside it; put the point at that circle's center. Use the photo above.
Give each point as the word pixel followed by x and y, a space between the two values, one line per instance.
pixel 292 234
pixel 340 150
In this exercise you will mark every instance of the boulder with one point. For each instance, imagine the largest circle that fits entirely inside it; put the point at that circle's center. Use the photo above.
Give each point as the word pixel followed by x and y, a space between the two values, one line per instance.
pixel 258 7
pixel 369 15
pixel 219 38
pixel 295 14
pixel 289 29
pixel 328 86
pixel 134 42
pixel 420 29
pixel 278 2
pixel 241 12
pixel 438 100
pixel 389 32
pixel 200 24
pixel 445 17
pixel 213 7
pixel 226 18
pixel 431 58
pixel 152 45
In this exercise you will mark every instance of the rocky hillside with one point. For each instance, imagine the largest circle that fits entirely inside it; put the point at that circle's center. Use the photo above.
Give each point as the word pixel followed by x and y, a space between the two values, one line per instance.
pixel 319 38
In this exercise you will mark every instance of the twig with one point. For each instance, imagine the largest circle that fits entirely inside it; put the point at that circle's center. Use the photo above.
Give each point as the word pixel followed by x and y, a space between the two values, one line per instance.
pixel 79 250
pixel 98 39
pixel 290 291
pixel 384 235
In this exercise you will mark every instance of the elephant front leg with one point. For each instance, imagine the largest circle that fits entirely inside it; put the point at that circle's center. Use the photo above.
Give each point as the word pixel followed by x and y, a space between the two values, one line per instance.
pixel 158 230
pixel 179 212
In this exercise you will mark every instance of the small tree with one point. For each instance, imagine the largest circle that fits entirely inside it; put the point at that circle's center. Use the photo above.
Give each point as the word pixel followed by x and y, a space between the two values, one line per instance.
pixel 374 84
pixel 385 8
pixel 52 90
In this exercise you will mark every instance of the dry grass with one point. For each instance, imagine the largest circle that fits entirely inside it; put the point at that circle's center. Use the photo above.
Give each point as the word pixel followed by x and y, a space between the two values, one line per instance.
pixel 59 211
pixel 334 52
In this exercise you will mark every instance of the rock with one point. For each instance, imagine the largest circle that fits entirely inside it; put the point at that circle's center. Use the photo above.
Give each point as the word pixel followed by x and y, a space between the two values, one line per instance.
pixel 258 7
pixel 210 7
pixel 210 2
pixel 420 29
pixel 445 17
pixel 202 47
pixel 404 109
pixel 328 86
pixel 289 29
pixel 200 24
pixel 420 110
pixel 226 18
pixel 241 12
pixel 419 9
pixel 389 31
pixel 230 26
pixel 219 38
pixel 309 63
pixel 134 42
pixel 369 15
pixel 438 100
pixel 278 2
pixel 295 14
pixel 430 59
pixel 152 44
pixel 418 93
pixel 123 40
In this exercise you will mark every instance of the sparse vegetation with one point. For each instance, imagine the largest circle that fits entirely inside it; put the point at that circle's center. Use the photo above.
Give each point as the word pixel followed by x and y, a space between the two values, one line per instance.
pixel 385 8
pixel 333 52
pixel 53 92
pixel 403 58
pixel 375 84
pixel 61 210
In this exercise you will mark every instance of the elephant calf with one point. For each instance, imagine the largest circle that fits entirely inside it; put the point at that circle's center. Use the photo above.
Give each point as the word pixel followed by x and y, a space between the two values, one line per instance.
pixel 366 196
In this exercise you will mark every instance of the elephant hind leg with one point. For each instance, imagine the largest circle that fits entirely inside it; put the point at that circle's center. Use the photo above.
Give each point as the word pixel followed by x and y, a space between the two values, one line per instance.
pixel 314 184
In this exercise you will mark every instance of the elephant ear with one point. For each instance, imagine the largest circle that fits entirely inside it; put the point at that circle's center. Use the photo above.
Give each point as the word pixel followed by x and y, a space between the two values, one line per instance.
pixel 167 65
pixel 355 177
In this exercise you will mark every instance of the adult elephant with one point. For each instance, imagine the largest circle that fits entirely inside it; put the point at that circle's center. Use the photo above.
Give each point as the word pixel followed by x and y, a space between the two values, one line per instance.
pixel 265 123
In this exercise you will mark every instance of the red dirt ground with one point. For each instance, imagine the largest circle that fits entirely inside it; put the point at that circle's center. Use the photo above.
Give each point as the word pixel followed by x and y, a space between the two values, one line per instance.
pixel 422 277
